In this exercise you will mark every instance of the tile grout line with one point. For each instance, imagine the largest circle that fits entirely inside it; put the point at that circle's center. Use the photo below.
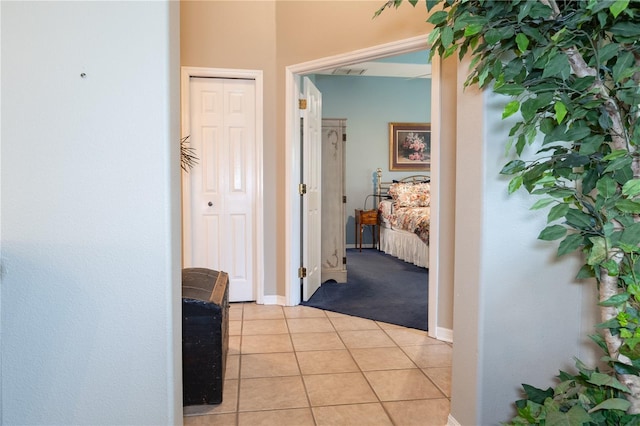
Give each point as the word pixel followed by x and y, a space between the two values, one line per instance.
pixel 237 413
pixel 363 373
pixel 304 384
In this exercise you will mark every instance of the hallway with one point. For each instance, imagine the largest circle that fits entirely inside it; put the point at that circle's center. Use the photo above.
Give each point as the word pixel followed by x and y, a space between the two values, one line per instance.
pixel 305 366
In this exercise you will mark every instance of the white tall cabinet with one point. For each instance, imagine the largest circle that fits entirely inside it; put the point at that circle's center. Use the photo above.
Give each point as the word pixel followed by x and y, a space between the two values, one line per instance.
pixel 334 254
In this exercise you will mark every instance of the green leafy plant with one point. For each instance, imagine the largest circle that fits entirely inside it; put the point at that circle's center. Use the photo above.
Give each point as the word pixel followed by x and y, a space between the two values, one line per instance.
pixel 572 71
pixel 587 397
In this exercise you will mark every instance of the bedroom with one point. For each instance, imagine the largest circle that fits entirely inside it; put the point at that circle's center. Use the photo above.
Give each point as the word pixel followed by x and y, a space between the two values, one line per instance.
pixel 369 102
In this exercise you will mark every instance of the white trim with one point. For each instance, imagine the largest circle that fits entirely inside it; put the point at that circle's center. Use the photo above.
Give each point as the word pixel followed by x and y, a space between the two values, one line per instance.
pixel 451 421
pixel 274 300
pixel 370 53
pixel 444 334
pixel 292 171
pixel 292 213
pixel 434 226
pixel 256 75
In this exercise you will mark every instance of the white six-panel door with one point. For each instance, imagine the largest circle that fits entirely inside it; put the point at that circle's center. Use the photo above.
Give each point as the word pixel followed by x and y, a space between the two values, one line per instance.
pixel 312 177
pixel 222 132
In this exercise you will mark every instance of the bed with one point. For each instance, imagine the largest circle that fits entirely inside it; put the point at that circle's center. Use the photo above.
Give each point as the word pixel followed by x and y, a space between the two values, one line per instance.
pixel 404 215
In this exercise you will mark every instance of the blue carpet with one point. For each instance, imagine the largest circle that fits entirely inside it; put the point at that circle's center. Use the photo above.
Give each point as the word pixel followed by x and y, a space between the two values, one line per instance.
pixel 379 287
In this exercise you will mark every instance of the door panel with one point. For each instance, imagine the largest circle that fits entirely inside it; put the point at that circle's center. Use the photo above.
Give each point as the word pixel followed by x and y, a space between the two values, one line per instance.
pixel 312 152
pixel 222 200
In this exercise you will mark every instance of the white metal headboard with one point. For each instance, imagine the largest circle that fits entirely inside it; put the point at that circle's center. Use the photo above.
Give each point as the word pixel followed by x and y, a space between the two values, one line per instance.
pixel 383 187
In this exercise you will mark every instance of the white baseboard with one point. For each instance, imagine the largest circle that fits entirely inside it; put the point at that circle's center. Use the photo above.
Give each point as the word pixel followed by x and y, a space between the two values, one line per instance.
pixel 444 334
pixel 274 300
pixel 452 422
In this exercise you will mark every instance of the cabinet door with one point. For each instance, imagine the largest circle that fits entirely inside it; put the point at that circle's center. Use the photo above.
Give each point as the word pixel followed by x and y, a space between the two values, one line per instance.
pixel 333 206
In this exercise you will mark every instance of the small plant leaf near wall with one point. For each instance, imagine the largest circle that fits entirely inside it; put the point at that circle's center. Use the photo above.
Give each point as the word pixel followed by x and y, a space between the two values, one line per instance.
pixel 188 157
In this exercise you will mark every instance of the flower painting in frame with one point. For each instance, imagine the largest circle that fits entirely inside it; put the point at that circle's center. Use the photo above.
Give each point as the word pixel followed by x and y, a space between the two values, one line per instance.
pixel 409 146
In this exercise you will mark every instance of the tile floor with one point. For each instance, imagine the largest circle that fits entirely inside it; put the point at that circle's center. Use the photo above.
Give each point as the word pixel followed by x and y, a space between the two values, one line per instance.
pixel 304 366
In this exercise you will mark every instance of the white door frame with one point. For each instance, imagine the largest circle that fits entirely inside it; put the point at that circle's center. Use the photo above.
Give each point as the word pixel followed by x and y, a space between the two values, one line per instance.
pixel 292 149
pixel 185 74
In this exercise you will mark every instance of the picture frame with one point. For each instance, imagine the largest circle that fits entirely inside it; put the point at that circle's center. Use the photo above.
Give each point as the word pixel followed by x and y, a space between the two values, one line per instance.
pixel 410 146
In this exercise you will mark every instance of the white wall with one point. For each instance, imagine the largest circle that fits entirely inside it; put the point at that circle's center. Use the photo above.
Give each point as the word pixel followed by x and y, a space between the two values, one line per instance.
pixel 90 213
pixel 522 313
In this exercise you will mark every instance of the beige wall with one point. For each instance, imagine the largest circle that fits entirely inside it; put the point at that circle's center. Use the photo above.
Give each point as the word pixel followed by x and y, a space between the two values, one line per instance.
pixel 242 35
pixel 270 36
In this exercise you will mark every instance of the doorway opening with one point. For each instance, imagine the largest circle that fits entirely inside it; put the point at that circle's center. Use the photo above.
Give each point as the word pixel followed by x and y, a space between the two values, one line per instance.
pixel 293 75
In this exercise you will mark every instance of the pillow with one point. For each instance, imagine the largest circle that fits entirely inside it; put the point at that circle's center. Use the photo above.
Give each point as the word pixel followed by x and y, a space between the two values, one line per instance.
pixel 410 194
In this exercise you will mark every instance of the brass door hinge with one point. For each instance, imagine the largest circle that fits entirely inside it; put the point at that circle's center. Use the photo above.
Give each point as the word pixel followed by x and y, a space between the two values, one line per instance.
pixel 344 260
pixel 344 198
pixel 344 137
pixel 302 272
pixel 302 188
pixel 302 103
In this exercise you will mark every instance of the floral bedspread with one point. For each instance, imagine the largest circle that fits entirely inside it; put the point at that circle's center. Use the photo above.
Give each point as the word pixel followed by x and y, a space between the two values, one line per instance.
pixel 412 219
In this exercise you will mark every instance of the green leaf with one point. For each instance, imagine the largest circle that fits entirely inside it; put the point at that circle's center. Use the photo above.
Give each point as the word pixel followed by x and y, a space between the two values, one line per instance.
pixel 615 300
pixel 613 270
pixel 579 219
pixel 561 111
pixel 612 404
pixel 570 244
pixel 598 252
pixel 625 30
pixel 615 154
pixel 438 17
pixel 542 203
pixel 432 3
pixel 433 36
pixel 631 234
pixel 513 167
pixel 473 29
pixel 522 41
pixel 618 7
pixel 537 395
pixel 446 37
pixel 575 416
pixel 492 36
pixel 556 212
pixel 618 164
pixel 623 67
pixel 510 109
pixel 631 188
pixel 515 184
pixel 552 232
pixel 607 186
pixel 585 272
pixel 509 89
pixel 557 66
pixel 628 206
pixel 602 379
pixel 607 52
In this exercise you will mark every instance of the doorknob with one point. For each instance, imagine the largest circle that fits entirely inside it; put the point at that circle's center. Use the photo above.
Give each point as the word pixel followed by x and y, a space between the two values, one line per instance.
pixel 210 204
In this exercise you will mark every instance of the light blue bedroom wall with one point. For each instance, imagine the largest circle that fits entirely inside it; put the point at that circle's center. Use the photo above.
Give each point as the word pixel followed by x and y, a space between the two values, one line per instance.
pixel 369 104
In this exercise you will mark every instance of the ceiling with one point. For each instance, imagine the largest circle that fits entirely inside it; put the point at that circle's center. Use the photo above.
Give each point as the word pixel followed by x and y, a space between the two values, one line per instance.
pixel 410 65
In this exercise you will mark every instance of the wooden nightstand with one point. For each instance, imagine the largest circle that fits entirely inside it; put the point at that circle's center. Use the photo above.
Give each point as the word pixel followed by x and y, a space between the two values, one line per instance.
pixel 367 218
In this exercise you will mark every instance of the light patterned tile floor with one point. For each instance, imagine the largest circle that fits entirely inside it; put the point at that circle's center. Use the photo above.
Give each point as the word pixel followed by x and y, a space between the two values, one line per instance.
pixel 304 366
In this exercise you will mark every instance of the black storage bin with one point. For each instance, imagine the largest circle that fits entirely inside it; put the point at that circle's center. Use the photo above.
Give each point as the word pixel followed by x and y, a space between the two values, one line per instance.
pixel 205 334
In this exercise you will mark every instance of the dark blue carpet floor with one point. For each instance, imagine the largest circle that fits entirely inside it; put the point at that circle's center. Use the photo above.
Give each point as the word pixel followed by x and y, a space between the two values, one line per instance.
pixel 379 287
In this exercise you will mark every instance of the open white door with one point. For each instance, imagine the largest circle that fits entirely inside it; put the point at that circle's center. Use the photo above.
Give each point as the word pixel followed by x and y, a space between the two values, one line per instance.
pixel 311 115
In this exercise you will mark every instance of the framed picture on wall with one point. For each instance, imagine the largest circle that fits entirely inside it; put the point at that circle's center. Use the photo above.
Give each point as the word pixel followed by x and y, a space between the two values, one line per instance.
pixel 409 146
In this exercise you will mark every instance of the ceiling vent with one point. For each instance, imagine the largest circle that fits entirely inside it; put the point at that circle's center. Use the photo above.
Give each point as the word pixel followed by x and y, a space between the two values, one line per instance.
pixel 349 71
